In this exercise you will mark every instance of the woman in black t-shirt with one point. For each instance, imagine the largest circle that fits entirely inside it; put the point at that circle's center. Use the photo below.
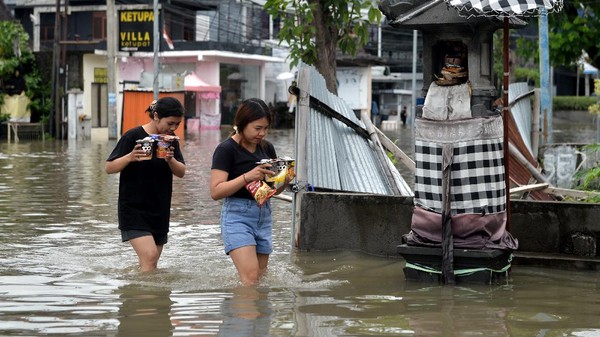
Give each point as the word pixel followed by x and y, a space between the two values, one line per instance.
pixel 246 227
pixel 146 182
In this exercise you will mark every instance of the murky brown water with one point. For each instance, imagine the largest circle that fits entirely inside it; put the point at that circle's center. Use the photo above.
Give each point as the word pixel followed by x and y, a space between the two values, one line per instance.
pixel 64 271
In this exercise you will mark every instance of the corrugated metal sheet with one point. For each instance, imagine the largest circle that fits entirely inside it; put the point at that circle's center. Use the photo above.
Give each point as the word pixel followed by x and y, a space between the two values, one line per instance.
pixel 521 111
pixel 337 157
pixel 519 133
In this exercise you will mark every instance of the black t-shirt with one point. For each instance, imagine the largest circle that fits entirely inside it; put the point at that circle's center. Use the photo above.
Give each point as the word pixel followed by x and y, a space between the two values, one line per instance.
pixel 145 187
pixel 234 159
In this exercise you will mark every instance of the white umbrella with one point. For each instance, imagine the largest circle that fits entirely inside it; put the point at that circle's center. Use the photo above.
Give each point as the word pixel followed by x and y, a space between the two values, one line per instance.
pixel 236 77
pixel 285 76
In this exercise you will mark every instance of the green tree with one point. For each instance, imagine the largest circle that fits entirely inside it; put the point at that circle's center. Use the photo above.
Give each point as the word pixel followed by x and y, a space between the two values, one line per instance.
pixel 14 51
pixel 314 30
pixel 15 54
pixel 571 31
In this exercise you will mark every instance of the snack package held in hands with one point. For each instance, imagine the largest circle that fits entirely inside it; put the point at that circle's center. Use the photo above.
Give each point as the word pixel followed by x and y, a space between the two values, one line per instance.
pixel 163 144
pixel 147 145
pixel 260 190
pixel 283 168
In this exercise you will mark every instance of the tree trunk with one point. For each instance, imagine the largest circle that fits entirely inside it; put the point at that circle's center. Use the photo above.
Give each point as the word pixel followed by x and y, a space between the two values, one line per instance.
pixel 4 12
pixel 326 42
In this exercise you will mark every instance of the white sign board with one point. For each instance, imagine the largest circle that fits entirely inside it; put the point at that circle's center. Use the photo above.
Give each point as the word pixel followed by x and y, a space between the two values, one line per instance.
pixel 353 87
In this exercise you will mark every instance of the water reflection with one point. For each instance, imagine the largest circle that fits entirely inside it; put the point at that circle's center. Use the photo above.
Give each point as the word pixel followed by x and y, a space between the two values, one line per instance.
pixel 247 313
pixel 64 271
pixel 144 309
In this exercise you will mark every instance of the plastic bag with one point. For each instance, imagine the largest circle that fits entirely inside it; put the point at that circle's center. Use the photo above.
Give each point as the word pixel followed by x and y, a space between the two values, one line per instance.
pixel 260 190
pixel 283 168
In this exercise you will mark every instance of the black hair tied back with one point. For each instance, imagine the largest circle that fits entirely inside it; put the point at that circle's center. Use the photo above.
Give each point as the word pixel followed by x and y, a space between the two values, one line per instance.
pixel 152 107
pixel 166 107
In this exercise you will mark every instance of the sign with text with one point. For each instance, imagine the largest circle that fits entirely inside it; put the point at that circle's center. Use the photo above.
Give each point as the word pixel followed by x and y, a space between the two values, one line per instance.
pixel 136 30
pixel 100 75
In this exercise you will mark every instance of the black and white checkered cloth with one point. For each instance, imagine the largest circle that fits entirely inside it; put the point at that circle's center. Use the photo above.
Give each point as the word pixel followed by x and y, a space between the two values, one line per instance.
pixel 505 8
pixel 477 171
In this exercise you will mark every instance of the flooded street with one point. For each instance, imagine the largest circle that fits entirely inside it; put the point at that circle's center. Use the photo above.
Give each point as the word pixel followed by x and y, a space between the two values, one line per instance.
pixel 64 271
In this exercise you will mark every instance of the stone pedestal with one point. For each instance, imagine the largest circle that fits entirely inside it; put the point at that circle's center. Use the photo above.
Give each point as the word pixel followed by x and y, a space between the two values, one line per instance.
pixel 480 266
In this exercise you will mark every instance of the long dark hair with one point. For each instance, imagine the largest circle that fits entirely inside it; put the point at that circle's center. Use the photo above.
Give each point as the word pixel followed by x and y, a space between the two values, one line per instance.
pixel 249 111
pixel 166 107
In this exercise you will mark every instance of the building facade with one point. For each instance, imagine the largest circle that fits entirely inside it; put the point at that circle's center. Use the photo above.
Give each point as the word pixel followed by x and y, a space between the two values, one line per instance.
pixel 224 44
pixel 229 44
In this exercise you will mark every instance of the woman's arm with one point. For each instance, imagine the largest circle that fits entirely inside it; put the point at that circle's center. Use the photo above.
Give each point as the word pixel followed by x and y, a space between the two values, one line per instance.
pixel 177 167
pixel 221 188
pixel 117 165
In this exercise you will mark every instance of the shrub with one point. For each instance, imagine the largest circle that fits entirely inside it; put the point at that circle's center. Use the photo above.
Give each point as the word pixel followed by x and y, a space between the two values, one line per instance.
pixel 573 102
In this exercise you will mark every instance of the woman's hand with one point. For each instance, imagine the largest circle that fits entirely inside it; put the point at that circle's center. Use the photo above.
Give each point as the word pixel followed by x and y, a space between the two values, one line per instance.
pixel 169 153
pixel 258 173
pixel 138 154
pixel 117 165
pixel 220 187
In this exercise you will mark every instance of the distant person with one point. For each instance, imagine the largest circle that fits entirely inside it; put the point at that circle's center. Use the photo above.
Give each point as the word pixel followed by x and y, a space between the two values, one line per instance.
pixel 403 115
pixel 146 182
pixel 246 227
pixel 384 115
pixel 375 113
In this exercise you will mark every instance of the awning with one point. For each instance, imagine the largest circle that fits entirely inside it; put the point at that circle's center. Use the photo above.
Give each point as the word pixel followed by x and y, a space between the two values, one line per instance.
pixel 206 91
pixel 589 69
pixel 505 8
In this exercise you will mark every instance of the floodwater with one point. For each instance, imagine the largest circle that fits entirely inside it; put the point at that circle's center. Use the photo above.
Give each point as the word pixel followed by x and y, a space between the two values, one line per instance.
pixel 64 271
pixel 578 127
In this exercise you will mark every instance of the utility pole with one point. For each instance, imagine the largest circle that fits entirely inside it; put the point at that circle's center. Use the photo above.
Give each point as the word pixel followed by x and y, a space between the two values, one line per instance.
pixel 545 89
pixel 411 120
pixel 111 36
pixel 156 50
pixel 56 87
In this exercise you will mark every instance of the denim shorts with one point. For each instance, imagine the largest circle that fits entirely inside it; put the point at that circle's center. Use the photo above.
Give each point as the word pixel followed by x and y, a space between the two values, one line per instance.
pixel 159 239
pixel 243 223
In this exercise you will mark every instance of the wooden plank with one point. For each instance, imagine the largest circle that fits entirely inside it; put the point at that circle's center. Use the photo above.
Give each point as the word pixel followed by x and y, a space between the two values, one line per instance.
pixel 396 151
pixel 571 193
pixel 528 188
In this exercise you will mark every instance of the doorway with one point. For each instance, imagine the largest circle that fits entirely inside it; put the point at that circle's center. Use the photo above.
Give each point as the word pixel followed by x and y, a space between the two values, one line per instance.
pixel 99 105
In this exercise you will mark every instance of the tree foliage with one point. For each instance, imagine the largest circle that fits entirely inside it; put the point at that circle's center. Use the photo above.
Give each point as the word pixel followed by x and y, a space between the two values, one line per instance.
pixel 14 50
pixel 571 31
pixel 314 30
pixel 15 54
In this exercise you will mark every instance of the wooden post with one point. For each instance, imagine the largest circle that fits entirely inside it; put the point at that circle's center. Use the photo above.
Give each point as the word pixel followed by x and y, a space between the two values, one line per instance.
pixel 505 124
pixel 302 130
pixel 535 124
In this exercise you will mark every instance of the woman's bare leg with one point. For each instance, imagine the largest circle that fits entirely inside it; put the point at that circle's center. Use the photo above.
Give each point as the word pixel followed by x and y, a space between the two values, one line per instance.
pixel 147 251
pixel 249 264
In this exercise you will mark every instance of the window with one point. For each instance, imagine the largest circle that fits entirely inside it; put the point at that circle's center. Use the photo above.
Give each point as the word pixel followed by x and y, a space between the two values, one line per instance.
pixel 99 25
pixel 206 22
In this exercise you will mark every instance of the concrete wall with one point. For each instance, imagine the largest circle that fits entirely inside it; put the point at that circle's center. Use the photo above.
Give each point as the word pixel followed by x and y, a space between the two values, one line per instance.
pixel 555 227
pixel 375 224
